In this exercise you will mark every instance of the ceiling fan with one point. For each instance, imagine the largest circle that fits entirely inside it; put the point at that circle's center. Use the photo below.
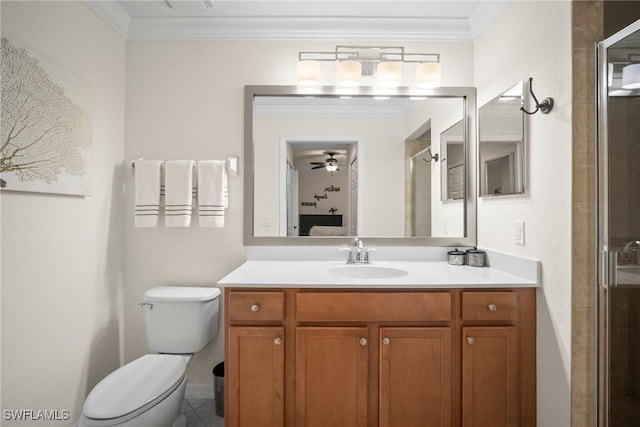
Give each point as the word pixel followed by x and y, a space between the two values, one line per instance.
pixel 330 164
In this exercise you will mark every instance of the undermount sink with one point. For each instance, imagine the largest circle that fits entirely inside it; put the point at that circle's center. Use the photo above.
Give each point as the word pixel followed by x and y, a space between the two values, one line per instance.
pixel 366 272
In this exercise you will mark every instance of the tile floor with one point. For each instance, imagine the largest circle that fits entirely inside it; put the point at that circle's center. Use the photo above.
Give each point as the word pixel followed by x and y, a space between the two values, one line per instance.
pixel 201 413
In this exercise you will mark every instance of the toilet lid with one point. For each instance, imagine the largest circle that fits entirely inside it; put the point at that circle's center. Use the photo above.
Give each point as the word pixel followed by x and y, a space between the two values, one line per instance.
pixel 134 385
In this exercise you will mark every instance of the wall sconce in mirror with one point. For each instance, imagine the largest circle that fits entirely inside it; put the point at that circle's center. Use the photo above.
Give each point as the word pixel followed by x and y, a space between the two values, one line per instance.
pixel 501 123
pixel 545 107
pixel 428 156
pixel 369 65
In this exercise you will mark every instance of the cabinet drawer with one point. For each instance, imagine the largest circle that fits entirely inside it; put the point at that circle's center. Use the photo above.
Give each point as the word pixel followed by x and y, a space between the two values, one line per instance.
pixel 373 306
pixel 489 306
pixel 263 306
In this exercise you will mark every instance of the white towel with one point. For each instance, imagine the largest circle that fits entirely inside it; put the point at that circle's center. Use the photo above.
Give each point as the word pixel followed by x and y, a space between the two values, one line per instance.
pixel 178 193
pixel 147 198
pixel 212 192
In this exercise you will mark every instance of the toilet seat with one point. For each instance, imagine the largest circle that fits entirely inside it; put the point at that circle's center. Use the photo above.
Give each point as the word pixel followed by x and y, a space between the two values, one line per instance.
pixel 135 387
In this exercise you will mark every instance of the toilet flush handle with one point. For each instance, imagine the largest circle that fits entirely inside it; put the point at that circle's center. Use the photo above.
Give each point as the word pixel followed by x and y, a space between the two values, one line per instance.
pixel 146 305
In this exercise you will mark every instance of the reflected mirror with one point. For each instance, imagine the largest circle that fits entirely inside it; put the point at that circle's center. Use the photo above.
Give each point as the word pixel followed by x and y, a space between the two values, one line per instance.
pixel 325 167
pixel 502 144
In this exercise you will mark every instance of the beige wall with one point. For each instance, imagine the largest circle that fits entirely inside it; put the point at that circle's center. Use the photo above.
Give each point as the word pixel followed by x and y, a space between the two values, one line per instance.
pixel 61 256
pixel 184 101
pixel 533 39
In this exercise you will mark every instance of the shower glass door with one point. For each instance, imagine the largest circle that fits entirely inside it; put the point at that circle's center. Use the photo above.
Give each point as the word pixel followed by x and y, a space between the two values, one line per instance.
pixel 619 228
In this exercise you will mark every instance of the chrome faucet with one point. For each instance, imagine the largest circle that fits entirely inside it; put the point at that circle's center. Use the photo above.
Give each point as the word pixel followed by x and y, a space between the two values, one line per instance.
pixel 358 253
pixel 630 252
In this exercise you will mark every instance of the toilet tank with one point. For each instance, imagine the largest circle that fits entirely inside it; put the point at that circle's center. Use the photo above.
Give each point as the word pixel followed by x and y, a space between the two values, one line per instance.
pixel 180 319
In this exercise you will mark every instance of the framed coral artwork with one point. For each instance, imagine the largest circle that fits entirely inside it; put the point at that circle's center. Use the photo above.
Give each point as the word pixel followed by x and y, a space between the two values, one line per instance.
pixel 45 134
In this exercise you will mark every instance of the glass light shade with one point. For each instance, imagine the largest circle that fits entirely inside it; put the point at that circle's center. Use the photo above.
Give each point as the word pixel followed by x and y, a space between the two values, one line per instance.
pixel 631 76
pixel 428 74
pixel 332 168
pixel 349 73
pixel 389 74
pixel 309 73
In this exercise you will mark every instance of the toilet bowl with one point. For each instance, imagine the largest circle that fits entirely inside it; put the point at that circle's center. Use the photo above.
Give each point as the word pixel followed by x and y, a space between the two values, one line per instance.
pixel 143 393
pixel 148 392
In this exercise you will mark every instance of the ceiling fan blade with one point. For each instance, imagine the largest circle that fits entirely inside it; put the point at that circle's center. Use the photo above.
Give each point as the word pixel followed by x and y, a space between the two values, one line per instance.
pixel 317 163
pixel 318 167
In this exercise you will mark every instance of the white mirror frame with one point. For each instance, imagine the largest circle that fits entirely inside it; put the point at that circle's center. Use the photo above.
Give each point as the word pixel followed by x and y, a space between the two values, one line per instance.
pixel 468 96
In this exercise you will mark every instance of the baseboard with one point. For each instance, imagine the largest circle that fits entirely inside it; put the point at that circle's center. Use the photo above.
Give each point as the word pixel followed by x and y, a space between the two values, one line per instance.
pixel 199 391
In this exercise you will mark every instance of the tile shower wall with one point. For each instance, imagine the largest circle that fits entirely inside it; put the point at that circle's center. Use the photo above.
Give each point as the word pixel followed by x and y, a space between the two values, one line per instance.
pixel 587 30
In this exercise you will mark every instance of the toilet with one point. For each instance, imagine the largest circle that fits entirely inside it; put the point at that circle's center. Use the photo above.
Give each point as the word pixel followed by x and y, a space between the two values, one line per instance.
pixel 149 391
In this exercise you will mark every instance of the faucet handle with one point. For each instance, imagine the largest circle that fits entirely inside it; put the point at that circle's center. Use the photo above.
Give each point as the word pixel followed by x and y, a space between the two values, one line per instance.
pixel 350 259
pixel 366 254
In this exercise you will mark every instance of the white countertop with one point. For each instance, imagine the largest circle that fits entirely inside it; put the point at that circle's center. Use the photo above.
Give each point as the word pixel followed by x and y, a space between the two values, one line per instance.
pixel 420 274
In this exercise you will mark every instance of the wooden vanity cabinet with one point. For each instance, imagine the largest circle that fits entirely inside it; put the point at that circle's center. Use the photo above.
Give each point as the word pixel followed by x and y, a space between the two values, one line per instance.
pixel 254 359
pixel 498 366
pixel 332 376
pixel 415 376
pixel 391 358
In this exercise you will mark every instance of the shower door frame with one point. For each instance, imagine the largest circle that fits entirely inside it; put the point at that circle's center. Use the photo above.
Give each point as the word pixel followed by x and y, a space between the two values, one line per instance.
pixel 606 259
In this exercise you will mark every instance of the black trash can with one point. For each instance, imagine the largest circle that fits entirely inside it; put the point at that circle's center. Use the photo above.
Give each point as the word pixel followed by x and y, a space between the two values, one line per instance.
pixel 218 388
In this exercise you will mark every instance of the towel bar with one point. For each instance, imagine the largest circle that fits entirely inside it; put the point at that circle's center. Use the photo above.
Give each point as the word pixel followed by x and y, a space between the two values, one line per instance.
pixel 232 165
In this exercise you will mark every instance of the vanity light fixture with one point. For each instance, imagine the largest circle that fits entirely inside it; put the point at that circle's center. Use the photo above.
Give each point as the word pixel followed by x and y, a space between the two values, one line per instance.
pixel 545 107
pixel 631 76
pixel 382 65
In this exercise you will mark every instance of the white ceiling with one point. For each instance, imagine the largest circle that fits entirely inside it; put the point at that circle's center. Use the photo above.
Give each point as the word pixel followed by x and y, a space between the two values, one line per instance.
pixel 298 19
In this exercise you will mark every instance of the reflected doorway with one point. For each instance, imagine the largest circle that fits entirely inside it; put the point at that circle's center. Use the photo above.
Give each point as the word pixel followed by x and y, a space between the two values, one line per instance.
pixel 418 182
pixel 322 195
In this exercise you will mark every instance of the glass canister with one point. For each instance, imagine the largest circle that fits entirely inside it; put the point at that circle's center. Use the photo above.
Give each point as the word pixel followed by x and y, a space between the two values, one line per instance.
pixel 455 257
pixel 476 257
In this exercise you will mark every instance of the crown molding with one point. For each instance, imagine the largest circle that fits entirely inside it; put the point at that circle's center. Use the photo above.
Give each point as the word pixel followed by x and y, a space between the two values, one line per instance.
pixel 303 28
pixel 113 14
pixel 296 27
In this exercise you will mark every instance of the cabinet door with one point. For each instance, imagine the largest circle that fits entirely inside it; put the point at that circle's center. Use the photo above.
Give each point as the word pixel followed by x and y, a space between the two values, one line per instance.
pixel 255 377
pixel 331 376
pixel 415 377
pixel 490 377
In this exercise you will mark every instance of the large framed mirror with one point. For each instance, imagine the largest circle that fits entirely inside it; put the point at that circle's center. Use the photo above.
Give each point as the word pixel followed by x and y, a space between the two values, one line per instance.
pixel 502 145
pixel 322 167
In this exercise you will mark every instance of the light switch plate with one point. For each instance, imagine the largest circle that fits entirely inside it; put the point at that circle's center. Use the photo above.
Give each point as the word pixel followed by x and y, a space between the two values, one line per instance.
pixel 519 233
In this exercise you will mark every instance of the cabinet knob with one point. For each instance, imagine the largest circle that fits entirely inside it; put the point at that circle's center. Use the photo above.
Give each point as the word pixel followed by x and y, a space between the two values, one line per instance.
pixel 492 307
pixel 255 308
pixel 471 341
pixel 363 341
pixel 277 341
pixel 386 341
